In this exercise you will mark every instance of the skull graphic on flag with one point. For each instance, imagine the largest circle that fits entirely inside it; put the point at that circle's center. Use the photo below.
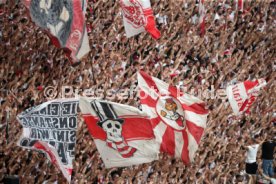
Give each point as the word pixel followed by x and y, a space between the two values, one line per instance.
pixel 178 119
pixel 123 134
pixel 112 125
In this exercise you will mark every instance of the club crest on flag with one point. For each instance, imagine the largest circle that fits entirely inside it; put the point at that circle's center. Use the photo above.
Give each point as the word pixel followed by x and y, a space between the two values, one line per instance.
pixel 178 119
pixel 170 111
pixel 112 125
pixel 133 13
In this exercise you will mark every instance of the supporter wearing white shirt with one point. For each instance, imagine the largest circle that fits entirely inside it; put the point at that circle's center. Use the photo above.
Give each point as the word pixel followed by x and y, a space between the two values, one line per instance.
pixel 251 157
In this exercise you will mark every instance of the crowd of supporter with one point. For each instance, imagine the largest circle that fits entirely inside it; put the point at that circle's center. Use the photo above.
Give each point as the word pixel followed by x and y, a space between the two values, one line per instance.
pixel 237 46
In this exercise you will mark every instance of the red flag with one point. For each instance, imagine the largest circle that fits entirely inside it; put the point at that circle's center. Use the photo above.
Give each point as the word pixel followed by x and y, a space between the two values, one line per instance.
pixel 178 119
pixel 138 17
pixel 122 134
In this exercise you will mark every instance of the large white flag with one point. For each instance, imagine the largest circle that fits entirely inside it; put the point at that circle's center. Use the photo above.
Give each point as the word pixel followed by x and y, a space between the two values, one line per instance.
pixel 242 95
pixel 138 17
pixel 178 119
pixel 123 134
pixel 51 128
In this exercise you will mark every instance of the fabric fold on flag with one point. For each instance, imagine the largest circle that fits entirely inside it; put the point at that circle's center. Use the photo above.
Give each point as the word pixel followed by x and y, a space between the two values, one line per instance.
pixel 51 128
pixel 138 17
pixel 178 119
pixel 64 22
pixel 242 95
pixel 123 134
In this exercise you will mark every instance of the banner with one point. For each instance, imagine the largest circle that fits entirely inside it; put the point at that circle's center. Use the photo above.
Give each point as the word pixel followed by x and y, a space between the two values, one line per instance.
pixel 64 22
pixel 138 17
pixel 242 95
pixel 178 119
pixel 51 128
pixel 123 134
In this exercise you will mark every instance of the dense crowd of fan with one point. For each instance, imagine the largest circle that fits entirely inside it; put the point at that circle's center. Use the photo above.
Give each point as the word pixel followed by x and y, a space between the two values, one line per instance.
pixel 237 46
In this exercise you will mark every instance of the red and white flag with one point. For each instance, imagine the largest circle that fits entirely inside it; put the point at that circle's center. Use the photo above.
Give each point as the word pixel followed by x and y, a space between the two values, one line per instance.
pixel 178 119
pixel 239 5
pixel 123 134
pixel 138 17
pixel 64 22
pixel 51 128
pixel 242 95
pixel 202 14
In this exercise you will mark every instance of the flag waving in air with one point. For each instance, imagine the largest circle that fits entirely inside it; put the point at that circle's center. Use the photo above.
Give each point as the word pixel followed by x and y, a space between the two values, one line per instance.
pixel 138 17
pixel 51 127
pixel 202 13
pixel 64 22
pixel 242 95
pixel 123 134
pixel 178 119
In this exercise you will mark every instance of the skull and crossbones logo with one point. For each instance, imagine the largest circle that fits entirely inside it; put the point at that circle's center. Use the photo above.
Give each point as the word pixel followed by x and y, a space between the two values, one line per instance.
pixel 113 126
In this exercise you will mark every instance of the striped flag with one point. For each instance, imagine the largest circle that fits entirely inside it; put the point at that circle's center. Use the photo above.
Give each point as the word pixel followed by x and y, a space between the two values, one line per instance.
pixel 178 119
pixel 123 134
pixel 202 14
pixel 242 95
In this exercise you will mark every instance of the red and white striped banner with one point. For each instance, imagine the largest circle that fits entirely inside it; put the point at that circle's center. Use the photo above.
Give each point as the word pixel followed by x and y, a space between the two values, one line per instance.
pixel 123 134
pixel 178 119
pixel 242 95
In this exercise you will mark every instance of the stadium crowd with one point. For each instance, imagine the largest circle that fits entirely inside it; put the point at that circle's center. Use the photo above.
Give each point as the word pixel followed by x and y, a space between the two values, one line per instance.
pixel 237 46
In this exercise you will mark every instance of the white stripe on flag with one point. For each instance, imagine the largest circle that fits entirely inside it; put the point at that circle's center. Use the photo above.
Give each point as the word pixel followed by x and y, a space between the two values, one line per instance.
pixel 147 89
pixel 162 86
pixel 159 131
pixel 178 136
pixel 197 119
pixel 151 111
pixel 189 99
pixel 192 146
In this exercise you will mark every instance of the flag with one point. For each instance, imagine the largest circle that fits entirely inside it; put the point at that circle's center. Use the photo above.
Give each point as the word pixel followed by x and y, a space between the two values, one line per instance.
pixel 123 134
pixel 178 119
pixel 202 14
pixel 240 5
pixel 138 17
pixel 51 128
pixel 242 95
pixel 64 22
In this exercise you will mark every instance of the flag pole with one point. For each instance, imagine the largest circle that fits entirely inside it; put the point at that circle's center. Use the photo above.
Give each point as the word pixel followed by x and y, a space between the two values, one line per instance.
pixel 7 126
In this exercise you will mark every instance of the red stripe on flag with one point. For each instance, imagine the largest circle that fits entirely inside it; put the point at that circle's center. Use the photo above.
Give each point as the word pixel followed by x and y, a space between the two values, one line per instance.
pixel 195 130
pixel 123 148
pixel 155 121
pixel 168 142
pixel 175 92
pixel 249 84
pixel 95 130
pixel 129 154
pixel 196 108
pixel 147 99
pixel 185 152
pixel 149 81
